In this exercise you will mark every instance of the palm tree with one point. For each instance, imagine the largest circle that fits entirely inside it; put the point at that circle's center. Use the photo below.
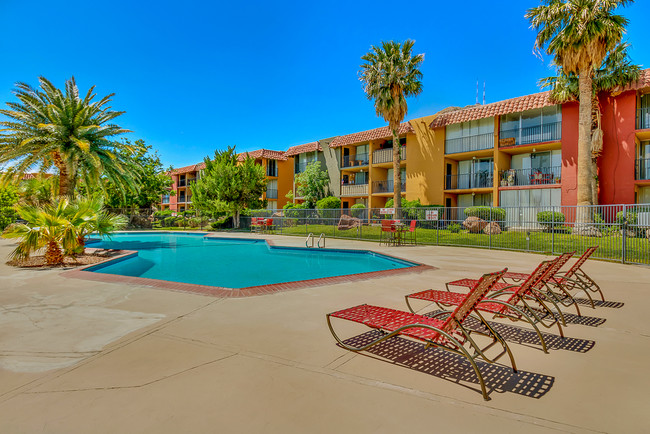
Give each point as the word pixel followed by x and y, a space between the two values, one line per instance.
pixel 47 227
pixel 48 127
pixel 616 71
pixel 87 216
pixel 38 190
pixel 579 34
pixel 389 75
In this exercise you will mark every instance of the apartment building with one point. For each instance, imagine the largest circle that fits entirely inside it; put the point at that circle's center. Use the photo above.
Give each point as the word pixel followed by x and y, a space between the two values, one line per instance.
pixel 182 179
pixel 520 152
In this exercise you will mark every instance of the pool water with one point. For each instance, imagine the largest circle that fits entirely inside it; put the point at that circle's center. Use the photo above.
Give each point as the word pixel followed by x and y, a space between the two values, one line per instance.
pixel 232 262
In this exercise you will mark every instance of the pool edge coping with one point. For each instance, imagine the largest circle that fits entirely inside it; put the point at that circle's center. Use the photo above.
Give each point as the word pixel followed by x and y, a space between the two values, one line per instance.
pixel 223 292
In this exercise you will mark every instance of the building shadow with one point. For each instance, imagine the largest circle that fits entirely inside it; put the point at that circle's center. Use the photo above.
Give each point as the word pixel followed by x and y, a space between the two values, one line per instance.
pixel 452 367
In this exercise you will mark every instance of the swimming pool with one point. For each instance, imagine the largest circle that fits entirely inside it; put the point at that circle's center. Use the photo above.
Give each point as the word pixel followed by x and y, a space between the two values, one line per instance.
pixel 232 262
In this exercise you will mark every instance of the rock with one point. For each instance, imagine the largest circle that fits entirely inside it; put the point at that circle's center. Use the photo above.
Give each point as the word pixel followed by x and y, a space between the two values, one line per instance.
pixel 628 234
pixel 647 234
pixel 492 228
pixel 474 224
pixel 587 231
pixel 347 222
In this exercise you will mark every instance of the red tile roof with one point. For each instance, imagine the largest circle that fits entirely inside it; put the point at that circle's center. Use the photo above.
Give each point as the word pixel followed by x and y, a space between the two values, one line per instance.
pixel 263 153
pixel 188 169
pixel 642 83
pixel 307 147
pixel 364 136
pixel 514 105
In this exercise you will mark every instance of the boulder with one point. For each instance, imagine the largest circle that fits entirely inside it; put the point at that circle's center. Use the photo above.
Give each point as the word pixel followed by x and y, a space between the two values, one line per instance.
pixel 587 231
pixel 492 228
pixel 474 224
pixel 346 222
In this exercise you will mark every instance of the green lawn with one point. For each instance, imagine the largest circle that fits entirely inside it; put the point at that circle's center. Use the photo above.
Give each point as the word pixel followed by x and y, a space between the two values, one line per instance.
pixel 637 249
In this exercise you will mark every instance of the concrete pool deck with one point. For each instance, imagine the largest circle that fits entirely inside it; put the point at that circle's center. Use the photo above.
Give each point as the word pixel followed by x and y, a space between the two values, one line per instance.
pixel 84 356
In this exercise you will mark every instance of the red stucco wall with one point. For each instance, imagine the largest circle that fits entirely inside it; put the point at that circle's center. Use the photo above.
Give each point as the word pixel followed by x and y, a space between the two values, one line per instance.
pixel 569 153
pixel 616 164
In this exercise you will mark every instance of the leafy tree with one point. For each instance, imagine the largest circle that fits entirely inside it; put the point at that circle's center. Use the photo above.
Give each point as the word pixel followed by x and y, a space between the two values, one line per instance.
pixel 53 128
pixel 8 199
pixel 616 70
pixel 329 202
pixel 390 73
pixel 151 184
pixel 579 34
pixel 312 183
pixel 228 184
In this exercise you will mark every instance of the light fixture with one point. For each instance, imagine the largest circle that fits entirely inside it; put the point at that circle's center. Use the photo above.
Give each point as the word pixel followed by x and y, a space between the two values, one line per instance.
pixel 534 150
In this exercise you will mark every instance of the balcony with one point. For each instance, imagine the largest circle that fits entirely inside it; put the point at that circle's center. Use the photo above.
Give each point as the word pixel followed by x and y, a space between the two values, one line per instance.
pixel 467 181
pixel 643 118
pixel 550 132
pixel 272 171
pixel 477 142
pixel 385 186
pixel 642 169
pixel 271 194
pixel 526 177
pixel 354 190
pixel 181 199
pixel 165 199
pixel 355 160
pixel 386 155
pixel 182 183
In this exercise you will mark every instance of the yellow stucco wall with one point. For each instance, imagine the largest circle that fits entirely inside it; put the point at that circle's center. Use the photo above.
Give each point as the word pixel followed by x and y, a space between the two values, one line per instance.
pixel 425 153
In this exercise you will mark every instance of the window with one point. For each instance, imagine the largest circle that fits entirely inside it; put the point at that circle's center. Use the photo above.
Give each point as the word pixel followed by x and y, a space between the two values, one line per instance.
pixel 271 168
pixel 643 113
pixel 531 126
pixel 469 136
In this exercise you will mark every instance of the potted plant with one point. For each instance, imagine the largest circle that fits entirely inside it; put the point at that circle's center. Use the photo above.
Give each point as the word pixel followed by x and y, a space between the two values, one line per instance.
pixel 511 177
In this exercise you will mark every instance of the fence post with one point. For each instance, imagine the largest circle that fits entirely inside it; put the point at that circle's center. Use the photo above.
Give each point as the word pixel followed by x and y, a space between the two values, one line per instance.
pixel 624 235
pixel 490 229
pixel 553 230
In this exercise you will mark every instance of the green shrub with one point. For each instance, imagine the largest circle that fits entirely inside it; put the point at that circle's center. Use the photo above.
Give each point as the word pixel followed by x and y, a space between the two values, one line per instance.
pixel 329 202
pixel 488 213
pixel 222 223
pixel 8 198
pixel 357 210
pixel 550 219
pixel 163 213
pixel 454 228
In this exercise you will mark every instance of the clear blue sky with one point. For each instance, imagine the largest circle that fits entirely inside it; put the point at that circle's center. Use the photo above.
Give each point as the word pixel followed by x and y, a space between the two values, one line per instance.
pixel 195 76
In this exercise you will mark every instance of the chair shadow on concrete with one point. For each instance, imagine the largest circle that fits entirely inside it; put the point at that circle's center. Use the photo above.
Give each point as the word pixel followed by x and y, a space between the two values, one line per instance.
pixel 524 336
pixel 451 367
pixel 600 303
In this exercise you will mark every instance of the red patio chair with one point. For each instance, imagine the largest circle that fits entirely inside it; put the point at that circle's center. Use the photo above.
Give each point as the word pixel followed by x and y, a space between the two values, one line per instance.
pixel 269 225
pixel 517 307
pixel 447 334
pixel 387 230
pixel 411 230
pixel 254 224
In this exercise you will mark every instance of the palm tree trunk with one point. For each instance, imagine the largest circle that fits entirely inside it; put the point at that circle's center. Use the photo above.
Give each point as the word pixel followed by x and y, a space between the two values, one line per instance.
pixel 397 172
pixel 53 254
pixel 584 190
pixel 64 179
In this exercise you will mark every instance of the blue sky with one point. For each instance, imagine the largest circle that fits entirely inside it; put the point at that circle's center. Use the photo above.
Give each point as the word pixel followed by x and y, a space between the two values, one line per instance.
pixel 196 76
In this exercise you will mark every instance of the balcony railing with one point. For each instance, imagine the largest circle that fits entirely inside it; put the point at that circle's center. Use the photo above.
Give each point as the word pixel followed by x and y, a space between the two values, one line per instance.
pixel 165 199
pixel 469 143
pixel 182 183
pixel 271 194
pixel 181 199
pixel 272 171
pixel 523 177
pixel 355 160
pixel 469 181
pixel 549 132
pixel 354 190
pixel 385 186
pixel 643 118
pixel 642 168
pixel 386 155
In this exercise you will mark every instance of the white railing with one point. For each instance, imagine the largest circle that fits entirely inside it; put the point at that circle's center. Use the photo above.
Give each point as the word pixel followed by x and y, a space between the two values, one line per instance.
pixel 386 155
pixel 354 190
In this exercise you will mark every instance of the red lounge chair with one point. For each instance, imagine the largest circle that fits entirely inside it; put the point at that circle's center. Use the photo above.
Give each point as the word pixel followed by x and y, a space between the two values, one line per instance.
pixel 387 231
pixel 447 334
pixel 518 305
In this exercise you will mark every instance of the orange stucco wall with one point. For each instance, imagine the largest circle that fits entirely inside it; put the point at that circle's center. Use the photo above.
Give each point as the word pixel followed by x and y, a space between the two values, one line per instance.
pixel 616 164
pixel 285 180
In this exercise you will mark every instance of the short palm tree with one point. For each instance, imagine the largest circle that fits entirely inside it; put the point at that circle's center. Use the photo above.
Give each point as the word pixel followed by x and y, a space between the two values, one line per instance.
pixel 579 34
pixel 390 73
pixel 616 71
pixel 47 227
pixel 39 190
pixel 48 127
pixel 87 216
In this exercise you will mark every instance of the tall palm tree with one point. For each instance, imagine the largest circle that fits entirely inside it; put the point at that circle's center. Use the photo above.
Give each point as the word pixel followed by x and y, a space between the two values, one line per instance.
pixel 579 34
pixel 49 128
pixel 390 73
pixel 616 71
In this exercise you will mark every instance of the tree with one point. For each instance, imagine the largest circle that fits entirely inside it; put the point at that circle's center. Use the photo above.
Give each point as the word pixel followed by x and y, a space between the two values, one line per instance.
pixel 150 185
pixel 228 184
pixel 38 190
pixel 579 34
pixel 51 128
pixel 616 71
pixel 390 73
pixel 312 184
pixel 8 199
pixel 87 215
